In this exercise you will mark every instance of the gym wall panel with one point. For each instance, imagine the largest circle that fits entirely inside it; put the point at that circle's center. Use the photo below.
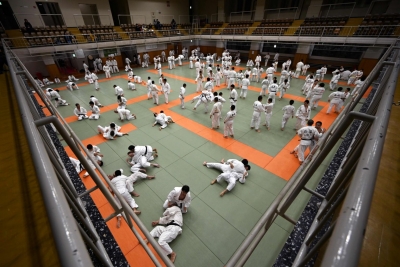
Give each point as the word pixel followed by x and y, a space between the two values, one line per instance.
pixel 367 64
pixel 142 10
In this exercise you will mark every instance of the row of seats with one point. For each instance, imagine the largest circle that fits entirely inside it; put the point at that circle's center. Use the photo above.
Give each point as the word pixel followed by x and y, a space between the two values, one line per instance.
pixel 234 31
pixel 329 21
pixel 209 31
pixel 375 30
pixel 387 19
pixel 276 22
pixel 185 26
pixel 318 31
pixel 46 34
pixel 50 41
pixel 216 24
pixel 240 24
pixel 46 28
pixel 95 27
pixel 141 35
pixel 97 31
pixel 103 37
pixel 171 33
pixel 269 31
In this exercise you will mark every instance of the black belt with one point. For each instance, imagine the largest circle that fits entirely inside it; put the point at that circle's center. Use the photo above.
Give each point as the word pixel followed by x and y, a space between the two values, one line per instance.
pixel 173 223
pixel 306 139
pixel 145 151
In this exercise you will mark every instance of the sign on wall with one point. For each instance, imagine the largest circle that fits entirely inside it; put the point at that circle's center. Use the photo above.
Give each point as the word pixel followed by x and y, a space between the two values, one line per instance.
pixel 151 46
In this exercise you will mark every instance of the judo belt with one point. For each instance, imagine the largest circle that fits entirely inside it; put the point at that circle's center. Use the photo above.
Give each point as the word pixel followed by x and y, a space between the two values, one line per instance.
pixel 306 139
pixel 173 223
pixel 145 151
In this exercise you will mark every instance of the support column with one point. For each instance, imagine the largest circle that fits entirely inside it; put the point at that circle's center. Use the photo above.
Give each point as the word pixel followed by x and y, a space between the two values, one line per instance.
pixel 302 53
pixel 254 50
pixel 51 67
pixel 220 47
pixel 370 59
pixel 221 10
pixel 259 10
pixel 314 9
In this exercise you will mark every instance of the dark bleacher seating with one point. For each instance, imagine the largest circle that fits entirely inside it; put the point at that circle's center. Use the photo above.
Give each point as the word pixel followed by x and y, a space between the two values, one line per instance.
pixel 329 26
pixel 273 27
pixel 99 33
pixel 138 31
pixel 49 35
pixel 382 25
pixel 237 27
pixel 186 26
pixel 216 24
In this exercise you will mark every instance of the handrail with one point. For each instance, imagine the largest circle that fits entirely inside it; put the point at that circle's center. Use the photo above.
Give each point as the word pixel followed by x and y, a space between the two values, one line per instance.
pixel 70 246
pixel 77 146
pixel 350 226
pixel 279 11
pixel 299 179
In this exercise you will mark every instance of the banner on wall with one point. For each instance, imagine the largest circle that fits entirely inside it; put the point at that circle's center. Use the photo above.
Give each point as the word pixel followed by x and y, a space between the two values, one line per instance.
pixel 151 46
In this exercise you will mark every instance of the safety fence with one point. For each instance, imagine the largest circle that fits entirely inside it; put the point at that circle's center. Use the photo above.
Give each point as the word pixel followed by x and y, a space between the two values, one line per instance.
pixel 79 230
pixel 348 182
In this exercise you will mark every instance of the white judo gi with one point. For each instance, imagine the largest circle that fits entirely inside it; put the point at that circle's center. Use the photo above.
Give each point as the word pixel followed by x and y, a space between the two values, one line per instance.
pixel 173 197
pixel 173 221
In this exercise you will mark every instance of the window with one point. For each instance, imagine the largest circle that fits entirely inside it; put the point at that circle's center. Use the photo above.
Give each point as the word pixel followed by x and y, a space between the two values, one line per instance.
pixel 244 46
pixel 328 50
pixel 283 48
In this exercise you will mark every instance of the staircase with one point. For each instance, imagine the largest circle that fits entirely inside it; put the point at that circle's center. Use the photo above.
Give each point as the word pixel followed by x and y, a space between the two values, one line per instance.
pixel 19 42
pixel 349 31
pixel 121 32
pixel 293 28
pixel 221 28
pixel 252 28
pixel 78 35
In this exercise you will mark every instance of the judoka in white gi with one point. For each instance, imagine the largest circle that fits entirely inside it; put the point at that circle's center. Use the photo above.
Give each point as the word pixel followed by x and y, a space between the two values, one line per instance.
pixel 335 99
pixel 288 111
pixel 46 81
pixel 118 90
pixel 245 87
pixel 272 90
pixel 303 114
pixel 80 112
pixel 182 92
pixel 72 86
pixel 121 102
pixel 95 111
pixel 154 92
pixel 228 122
pixel 231 177
pixel 95 101
pixel 173 222
pixel 125 114
pixel 162 119
pixel 179 196
pixel 131 86
pixel 307 135
pixel 166 89
pixel 109 132
pixel 107 71
pixel 266 58
pixel 204 98
pixel 121 184
pixel 199 81
pixel 283 87
pixel 268 113
pixel 264 86
pixel 93 154
pixel 60 102
pixel 316 95
pixel 215 113
pixel 233 96
pixel 257 109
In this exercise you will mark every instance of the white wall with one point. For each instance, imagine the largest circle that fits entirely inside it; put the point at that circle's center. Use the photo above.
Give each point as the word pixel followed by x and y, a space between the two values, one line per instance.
pixel 142 48
pixel 68 8
pixel 143 10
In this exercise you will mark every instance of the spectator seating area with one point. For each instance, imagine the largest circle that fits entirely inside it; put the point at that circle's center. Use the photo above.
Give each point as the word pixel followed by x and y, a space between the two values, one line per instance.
pixel 216 24
pixel 171 32
pixel 329 26
pixel 379 25
pixel 237 27
pixel 137 31
pixel 3 35
pixel 186 26
pixel 273 27
pixel 48 35
pixel 99 33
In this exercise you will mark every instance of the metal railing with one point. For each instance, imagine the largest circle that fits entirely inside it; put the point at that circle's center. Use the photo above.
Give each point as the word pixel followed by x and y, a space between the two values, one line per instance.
pixel 383 31
pixel 328 7
pixel 69 243
pixel 242 15
pixel 269 13
pixel 19 18
pixel 366 148
pixel 140 20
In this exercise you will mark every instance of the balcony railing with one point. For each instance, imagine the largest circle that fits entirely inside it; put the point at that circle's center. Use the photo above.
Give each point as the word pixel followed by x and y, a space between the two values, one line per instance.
pixel 381 31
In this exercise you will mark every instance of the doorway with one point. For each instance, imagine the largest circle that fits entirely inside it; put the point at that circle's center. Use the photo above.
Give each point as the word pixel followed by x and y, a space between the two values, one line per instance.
pixel 6 16
pixel 90 14
pixel 51 13
pixel 120 7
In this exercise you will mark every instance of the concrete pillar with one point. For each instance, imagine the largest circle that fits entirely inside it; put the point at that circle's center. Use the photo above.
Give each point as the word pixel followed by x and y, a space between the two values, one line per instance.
pixel 51 67
pixel 259 10
pixel 314 8
pixel 369 59
pixel 255 49
pixel 221 10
